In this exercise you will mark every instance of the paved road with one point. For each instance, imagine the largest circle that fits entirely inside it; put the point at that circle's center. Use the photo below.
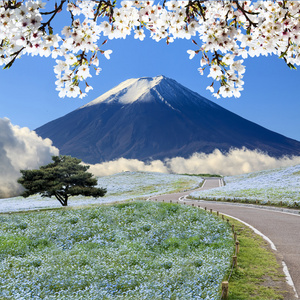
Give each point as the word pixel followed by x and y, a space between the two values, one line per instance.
pixel 282 229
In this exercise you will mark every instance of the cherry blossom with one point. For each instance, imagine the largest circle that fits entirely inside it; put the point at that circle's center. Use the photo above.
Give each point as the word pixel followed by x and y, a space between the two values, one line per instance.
pixel 191 53
pixel 224 32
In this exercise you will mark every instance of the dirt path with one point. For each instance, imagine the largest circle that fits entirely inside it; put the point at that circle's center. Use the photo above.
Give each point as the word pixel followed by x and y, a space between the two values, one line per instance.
pixel 283 229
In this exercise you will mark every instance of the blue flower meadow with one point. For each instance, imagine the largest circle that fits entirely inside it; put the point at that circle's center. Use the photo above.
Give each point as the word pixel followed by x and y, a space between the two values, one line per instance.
pixel 135 250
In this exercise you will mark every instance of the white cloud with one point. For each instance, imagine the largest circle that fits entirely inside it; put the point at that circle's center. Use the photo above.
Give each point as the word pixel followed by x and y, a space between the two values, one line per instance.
pixel 237 161
pixel 20 149
pixel 123 164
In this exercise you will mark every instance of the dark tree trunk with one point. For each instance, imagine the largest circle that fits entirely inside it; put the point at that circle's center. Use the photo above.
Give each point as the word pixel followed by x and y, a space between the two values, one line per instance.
pixel 63 200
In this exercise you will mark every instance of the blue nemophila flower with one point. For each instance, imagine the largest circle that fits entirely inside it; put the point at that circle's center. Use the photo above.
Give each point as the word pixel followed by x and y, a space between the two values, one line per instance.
pixel 138 250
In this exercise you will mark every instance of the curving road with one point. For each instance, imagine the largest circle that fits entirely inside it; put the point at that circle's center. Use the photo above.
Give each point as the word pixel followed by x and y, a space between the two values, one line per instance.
pixel 282 228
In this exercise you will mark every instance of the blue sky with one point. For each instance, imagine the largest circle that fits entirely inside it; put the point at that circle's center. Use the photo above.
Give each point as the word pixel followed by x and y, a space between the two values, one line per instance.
pixel 270 97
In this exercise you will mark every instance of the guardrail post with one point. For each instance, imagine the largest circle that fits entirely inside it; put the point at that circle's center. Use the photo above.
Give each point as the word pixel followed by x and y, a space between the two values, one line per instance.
pixel 225 290
pixel 237 247
pixel 234 261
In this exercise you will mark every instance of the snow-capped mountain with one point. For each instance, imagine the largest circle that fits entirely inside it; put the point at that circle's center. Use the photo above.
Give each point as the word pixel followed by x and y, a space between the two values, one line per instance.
pixel 148 89
pixel 157 118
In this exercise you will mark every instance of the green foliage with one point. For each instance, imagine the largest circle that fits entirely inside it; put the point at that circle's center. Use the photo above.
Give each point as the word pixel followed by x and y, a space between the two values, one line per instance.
pixel 63 178
pixel 14 245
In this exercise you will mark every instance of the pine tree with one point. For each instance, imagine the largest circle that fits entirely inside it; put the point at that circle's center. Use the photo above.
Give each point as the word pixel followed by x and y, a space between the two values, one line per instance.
pixel 62 178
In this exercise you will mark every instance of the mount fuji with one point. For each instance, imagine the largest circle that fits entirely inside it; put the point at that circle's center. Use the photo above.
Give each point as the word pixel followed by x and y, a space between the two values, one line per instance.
pixel 157 118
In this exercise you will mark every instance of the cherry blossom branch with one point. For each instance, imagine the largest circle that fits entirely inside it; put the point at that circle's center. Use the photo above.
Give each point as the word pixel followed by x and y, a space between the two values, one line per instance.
pixel 16 54
pixel 194 7
pixel 12 6
pixel 102 8
pixel 246 13
pixel 54 13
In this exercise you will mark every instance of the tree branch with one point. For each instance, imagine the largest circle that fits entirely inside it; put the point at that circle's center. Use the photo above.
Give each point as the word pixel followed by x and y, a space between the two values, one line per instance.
pixel 107 4
pixel 54 12
pixel 16 54
pixel 12 6
pixel 245 13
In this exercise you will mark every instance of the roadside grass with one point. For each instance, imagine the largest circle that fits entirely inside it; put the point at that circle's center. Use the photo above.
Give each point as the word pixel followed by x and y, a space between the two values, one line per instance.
pixel 134 250
pixel 259 275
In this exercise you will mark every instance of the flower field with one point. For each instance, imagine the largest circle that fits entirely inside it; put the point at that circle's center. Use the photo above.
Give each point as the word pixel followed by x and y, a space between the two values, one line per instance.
pixel 275 187
pixel 121 186
pixel 135 250
pixel 129 185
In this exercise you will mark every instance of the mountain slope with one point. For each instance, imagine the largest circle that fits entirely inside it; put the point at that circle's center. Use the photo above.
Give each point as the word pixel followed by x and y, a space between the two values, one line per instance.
pixel 157 118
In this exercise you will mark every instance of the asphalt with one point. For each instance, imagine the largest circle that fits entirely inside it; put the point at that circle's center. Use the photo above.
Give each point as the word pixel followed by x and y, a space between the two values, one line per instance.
pixel 282 228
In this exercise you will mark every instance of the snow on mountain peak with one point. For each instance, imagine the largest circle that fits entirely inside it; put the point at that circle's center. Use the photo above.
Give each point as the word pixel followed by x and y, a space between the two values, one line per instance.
pixel 128 91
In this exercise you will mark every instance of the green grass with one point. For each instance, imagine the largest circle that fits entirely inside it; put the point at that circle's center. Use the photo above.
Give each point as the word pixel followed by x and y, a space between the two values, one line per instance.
pixel 258 276
pixel 181 185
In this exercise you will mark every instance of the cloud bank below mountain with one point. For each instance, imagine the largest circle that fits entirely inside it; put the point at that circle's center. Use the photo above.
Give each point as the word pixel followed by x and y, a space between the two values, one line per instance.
pixel 236 161
pixel 20 148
